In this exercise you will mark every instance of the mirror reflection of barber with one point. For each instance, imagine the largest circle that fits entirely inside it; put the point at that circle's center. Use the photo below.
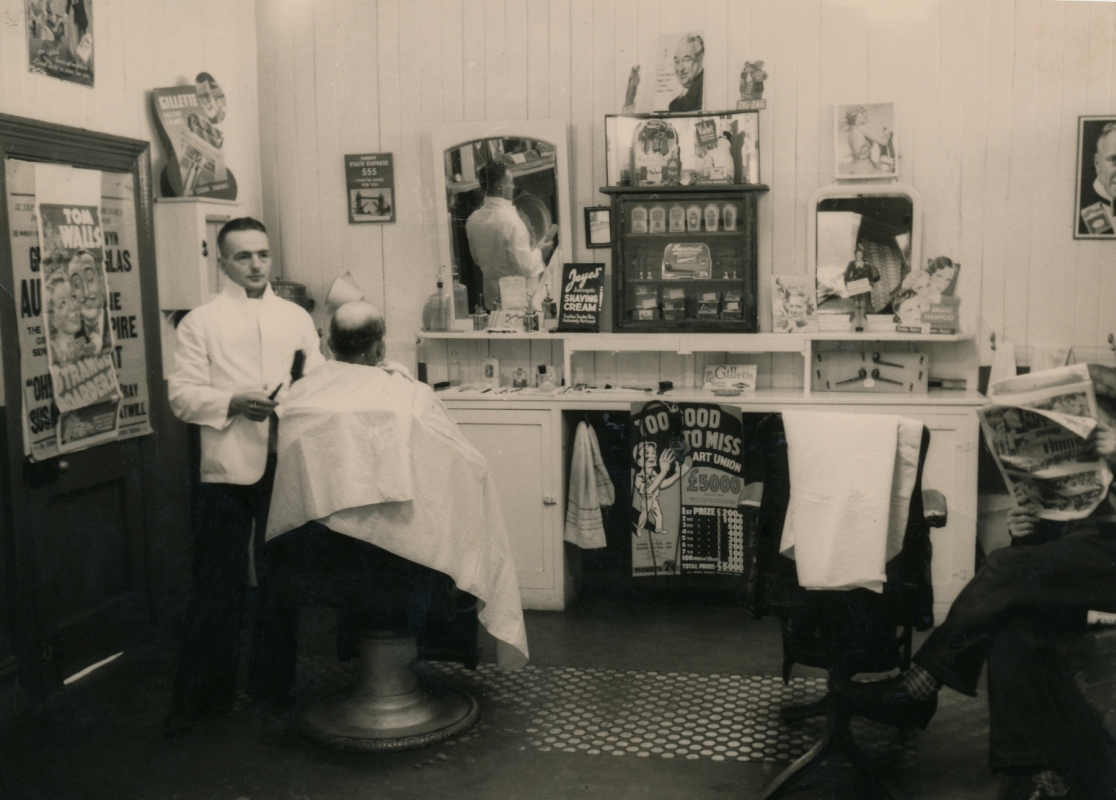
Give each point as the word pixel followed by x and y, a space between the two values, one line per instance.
pixel 499 240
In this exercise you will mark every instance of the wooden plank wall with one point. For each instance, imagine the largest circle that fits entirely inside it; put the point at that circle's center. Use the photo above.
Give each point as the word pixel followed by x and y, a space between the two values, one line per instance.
pixel 988 95
pixel 140 45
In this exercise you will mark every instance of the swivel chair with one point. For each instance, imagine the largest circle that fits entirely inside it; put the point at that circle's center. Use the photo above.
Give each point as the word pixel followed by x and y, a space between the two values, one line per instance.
pixel 842 632
pixel 398 610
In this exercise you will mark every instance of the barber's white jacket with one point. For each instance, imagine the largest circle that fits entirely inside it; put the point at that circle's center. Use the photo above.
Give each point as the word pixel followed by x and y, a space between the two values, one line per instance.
pixel 236 344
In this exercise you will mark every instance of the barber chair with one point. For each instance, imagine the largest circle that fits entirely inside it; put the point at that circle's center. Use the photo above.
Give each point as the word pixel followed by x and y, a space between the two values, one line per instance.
pixel 842 632
pixel 396 610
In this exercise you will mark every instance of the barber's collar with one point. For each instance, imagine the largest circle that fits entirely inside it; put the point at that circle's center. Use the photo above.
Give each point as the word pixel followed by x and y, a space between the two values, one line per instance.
pixel 497 200
pixel 238 292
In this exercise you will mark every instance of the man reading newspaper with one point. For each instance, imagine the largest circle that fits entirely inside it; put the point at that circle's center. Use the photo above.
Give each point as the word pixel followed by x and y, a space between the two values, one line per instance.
pixel 1053 437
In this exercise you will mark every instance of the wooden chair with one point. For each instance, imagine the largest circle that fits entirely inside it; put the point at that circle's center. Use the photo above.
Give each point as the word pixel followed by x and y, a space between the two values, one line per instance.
pixel 842 632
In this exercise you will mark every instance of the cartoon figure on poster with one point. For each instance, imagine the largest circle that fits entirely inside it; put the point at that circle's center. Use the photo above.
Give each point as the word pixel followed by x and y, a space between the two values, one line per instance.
pixel 649 482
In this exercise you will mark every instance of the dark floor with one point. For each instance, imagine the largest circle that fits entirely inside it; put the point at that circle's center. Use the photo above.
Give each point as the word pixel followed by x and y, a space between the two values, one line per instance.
pixel 99 737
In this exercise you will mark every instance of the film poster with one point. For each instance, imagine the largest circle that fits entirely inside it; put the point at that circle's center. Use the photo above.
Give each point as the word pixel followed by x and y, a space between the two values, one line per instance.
pixel 370 182
pixel 60 39
pixel 689 490
pixel 82 342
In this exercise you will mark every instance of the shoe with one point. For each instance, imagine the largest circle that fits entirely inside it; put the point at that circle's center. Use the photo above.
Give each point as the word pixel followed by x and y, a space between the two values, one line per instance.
pixel 888 702
pixel 1023 787
pixel 179 721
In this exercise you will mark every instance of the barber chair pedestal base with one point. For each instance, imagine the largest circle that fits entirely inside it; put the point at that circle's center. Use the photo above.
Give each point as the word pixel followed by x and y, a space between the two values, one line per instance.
pixel 388 709
pixel 836 739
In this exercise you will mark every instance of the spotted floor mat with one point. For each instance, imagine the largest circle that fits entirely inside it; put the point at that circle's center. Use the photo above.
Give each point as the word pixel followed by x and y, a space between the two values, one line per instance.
pixel 640 714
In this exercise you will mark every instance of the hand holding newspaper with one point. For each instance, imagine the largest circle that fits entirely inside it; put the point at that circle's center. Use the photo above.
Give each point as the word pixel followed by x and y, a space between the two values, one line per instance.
pixel 1038 430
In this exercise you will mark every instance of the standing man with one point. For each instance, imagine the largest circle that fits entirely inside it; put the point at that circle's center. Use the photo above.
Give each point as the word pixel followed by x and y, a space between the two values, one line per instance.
pixel 232 364
pixel 1097 216
pixel 498 239
pixel 688 68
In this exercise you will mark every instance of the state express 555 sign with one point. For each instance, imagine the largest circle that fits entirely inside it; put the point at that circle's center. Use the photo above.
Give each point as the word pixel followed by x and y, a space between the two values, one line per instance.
pixel 370 181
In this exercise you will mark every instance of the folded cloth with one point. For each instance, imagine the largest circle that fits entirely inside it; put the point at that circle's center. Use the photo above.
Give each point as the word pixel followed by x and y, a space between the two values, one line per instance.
pixel 590 490
pixel 452 522
pixel 842 473
pixel 907 450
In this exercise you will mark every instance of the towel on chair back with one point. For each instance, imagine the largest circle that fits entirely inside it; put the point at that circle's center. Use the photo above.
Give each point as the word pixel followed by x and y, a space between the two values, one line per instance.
pixel 851 478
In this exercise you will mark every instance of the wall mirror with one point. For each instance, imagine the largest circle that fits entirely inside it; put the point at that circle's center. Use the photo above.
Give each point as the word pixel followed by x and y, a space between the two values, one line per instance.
pixel 536 153
pixel 882 224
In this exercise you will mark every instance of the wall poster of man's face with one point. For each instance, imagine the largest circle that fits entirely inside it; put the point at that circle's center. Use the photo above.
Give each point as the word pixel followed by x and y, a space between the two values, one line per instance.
pixel 1096 178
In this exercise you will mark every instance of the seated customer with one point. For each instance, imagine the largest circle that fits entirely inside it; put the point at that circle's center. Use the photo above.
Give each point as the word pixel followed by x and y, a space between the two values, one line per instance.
pixel 370 453
pixel 1010 614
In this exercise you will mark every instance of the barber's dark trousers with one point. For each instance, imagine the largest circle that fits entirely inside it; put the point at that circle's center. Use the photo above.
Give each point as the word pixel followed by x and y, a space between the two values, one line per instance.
pixel 1009 614
pixel 223 517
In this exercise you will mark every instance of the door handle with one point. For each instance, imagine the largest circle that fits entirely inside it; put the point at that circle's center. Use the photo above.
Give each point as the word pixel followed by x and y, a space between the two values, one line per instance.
pixel 550 500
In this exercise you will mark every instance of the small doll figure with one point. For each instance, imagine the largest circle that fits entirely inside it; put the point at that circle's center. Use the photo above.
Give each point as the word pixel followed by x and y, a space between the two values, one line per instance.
pixel 859 277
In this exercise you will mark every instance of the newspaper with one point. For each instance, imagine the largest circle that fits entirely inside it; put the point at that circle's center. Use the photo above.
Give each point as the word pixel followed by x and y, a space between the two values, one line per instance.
pixel 1037 429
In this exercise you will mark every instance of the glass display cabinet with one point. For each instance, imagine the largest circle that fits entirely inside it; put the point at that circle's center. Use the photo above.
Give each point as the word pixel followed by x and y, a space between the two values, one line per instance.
pixel 685 258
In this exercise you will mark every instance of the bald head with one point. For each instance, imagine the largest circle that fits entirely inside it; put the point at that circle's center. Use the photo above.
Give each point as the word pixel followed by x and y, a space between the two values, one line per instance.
pixel 356 333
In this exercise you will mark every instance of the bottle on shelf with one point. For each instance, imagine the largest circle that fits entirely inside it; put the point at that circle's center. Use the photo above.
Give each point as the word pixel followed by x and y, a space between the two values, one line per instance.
pixel 438 311
pixel 420 359
pixel 454 370
pixel 460 296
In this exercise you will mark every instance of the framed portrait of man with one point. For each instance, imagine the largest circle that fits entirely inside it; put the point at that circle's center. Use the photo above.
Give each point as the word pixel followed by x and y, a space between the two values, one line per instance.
pixel 1096 178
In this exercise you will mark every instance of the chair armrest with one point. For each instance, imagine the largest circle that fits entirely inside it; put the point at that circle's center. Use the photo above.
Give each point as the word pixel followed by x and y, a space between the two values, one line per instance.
pixel 934 508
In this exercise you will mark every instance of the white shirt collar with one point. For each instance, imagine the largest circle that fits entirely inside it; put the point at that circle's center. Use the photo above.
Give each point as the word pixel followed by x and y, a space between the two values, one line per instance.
pixel 237 292
pixel 1098 187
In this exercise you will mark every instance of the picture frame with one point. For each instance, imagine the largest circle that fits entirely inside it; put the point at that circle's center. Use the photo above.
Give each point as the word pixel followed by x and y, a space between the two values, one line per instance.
pixel 598 226
pixel 1094 217
pixel 701 148
pixel 865 141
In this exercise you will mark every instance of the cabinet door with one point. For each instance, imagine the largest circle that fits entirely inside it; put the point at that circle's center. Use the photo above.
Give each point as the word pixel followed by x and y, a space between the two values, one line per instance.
pixel 521 451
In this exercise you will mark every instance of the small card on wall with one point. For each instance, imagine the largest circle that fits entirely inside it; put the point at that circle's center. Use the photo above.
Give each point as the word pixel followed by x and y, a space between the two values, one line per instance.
pixel 370 183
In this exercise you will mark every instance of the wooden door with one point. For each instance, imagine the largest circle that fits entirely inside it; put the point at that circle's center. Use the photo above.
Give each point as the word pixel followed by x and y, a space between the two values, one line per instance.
pixel 77 524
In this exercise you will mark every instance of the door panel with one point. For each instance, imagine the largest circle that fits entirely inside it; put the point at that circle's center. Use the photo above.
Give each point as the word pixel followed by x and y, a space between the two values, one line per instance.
pixel 89 554
pixel 516 447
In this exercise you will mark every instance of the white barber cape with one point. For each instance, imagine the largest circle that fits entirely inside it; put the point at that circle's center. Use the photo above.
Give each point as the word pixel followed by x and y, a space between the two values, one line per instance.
pixel 851 478
pixel 373 454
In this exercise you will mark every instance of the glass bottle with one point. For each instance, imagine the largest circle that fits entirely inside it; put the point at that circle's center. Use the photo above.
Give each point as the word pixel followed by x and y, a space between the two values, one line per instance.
pixel 454 370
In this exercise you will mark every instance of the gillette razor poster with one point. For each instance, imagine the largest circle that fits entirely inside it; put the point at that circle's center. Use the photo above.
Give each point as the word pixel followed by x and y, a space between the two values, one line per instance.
pixel 688 486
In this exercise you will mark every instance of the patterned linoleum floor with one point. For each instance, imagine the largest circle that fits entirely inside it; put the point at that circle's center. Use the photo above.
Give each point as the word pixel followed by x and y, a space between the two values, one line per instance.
pixel 644 714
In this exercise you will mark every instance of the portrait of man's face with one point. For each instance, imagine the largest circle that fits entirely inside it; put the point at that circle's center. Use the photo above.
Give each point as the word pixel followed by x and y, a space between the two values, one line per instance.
pixel 687 61
pixel 212 99
pixel 1105 163
pixel 89 290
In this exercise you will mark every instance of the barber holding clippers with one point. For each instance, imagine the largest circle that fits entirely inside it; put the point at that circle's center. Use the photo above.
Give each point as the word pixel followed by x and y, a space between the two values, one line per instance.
pixel 233 363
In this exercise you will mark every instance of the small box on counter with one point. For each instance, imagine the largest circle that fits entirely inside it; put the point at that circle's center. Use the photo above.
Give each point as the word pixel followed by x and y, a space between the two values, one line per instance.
pixel 490 373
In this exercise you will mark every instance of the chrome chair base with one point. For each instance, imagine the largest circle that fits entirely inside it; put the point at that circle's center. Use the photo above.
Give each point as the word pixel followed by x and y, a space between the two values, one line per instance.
pixel 388 709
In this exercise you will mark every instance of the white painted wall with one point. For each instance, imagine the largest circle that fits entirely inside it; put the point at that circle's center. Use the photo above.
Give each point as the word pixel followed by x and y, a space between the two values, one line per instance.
pixel 141 45
pixel 988 95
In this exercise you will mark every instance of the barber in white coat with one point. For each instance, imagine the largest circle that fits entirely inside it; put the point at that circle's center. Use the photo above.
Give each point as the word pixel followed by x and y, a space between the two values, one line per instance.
pixel 232 365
